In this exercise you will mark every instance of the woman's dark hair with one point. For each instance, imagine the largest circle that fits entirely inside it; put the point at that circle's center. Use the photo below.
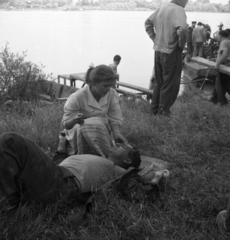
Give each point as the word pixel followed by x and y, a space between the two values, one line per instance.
pixel 228 31
pixel 100 73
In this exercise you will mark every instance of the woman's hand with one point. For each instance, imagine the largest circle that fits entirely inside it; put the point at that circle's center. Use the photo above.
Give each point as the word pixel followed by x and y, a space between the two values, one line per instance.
pixel 79 118
pixel 118 137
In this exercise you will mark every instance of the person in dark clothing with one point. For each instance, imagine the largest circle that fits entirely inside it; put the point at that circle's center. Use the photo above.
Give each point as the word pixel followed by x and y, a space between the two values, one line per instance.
pixel 169 37
pixel 189 39
pixel 222 84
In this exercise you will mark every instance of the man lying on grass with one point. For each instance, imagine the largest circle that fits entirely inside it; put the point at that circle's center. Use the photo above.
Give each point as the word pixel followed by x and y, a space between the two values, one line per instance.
pixel 27 173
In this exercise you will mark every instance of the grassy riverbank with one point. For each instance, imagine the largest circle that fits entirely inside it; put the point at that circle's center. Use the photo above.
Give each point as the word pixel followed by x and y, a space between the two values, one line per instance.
pixel 195 140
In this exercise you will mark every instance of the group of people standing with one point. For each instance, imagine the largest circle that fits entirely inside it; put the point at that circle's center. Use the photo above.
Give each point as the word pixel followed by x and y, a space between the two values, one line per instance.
pixel 196 37
pixel 167 28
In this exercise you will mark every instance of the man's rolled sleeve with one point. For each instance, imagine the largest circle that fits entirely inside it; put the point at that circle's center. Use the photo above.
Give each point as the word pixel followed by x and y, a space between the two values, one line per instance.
pixel 149 26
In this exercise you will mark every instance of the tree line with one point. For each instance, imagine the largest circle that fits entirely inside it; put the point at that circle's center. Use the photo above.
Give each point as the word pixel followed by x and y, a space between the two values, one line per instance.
pixel 193 5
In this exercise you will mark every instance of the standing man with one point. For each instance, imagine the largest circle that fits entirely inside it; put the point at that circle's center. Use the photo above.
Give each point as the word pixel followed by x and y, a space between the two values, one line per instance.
pixel 198 38
pixel 167 27
pixel 189 38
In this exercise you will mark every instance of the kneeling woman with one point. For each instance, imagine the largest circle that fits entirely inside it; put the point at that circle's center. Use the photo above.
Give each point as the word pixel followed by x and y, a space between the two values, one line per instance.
pixel 92 113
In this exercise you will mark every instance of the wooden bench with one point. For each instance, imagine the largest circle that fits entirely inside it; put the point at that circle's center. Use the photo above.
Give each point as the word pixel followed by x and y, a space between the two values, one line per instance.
pixel 81 77
pixel 208 63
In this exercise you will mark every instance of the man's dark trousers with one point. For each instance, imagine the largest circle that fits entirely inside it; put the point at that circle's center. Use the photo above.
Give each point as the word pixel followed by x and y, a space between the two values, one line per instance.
pixel 26 172
pixel 168 69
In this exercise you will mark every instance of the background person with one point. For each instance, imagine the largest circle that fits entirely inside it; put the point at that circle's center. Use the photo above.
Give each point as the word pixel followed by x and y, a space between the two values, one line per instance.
pixel 222 84
pixel 220 28
pixel 189 38
pixel 114 65
pixel 92 113
pixel 198 38
pixel 169 37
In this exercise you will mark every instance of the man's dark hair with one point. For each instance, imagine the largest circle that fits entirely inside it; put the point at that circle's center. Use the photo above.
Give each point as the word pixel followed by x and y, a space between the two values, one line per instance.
pixel 228 31
pixel 223 33
pixel 199 23
pixel 135 156
pixel 117 58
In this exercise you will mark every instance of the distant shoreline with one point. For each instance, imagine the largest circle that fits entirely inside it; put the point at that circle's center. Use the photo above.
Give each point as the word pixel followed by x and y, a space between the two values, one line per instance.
pixel 84 10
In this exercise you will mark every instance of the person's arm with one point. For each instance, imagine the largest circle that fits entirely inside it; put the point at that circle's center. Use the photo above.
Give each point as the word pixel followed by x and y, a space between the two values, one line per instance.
pixel 149 26
pixel 118 137
pixel 68 124
pixel 72 112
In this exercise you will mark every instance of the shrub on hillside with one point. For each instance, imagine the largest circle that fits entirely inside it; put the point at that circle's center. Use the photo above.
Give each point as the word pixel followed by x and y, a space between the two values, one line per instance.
pixel 21 79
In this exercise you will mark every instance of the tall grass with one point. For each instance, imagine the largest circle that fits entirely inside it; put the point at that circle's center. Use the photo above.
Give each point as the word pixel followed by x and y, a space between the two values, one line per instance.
pixel 195 140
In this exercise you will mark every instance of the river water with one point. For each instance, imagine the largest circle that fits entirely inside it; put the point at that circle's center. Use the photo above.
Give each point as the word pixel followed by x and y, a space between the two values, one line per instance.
pixel 68 42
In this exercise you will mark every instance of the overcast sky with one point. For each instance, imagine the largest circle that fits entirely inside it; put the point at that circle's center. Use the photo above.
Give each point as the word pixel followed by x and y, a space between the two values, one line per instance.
pixel 219 1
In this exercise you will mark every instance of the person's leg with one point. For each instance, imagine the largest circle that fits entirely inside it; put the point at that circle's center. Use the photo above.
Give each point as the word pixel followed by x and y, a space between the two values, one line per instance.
pixel 201 48
pixel 195 50
pixel 26 172
pixel 225 81
pixel 172 67
pixel 92 137
pixel 189 48
pixel 221 89
pixel 151 82
pixel 158 83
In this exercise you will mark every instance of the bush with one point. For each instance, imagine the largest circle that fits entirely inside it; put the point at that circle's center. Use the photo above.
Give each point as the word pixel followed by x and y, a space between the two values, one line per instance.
pixel 21 79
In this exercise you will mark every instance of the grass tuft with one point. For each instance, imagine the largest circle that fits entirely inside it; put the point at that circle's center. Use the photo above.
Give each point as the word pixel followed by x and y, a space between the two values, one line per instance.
pixel 195 139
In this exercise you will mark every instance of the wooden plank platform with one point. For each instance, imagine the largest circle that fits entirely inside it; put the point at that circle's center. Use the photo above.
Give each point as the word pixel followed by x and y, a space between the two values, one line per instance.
pixel 81 77
pixel 208 63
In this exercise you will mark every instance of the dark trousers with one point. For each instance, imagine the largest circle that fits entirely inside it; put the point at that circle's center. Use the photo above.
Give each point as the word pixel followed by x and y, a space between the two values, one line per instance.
pixel 168 69
pixel 222 86
pixel 198 49
pixel 27 173
pixel 190 48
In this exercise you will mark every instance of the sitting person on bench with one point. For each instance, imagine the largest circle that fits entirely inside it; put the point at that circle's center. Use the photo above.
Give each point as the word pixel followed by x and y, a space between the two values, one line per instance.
pixel 92 113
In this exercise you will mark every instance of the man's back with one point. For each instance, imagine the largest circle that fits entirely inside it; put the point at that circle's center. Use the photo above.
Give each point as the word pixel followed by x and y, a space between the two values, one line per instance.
pixel 166 21
pixel 91 171
pixel 199 34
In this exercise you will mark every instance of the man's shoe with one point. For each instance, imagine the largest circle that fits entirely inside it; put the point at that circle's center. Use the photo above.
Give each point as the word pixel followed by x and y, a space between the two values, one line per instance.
pixel 220 220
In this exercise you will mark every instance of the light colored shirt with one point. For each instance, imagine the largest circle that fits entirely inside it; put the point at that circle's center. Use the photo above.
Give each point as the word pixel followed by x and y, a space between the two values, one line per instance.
pixel 113 67
pixel 83 101
pixel 91 171
pixel 199 34
pixel 223 52
pixel 167 27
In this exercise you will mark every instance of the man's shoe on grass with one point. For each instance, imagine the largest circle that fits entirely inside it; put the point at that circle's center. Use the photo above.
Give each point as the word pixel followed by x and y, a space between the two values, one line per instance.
pixel 220 220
